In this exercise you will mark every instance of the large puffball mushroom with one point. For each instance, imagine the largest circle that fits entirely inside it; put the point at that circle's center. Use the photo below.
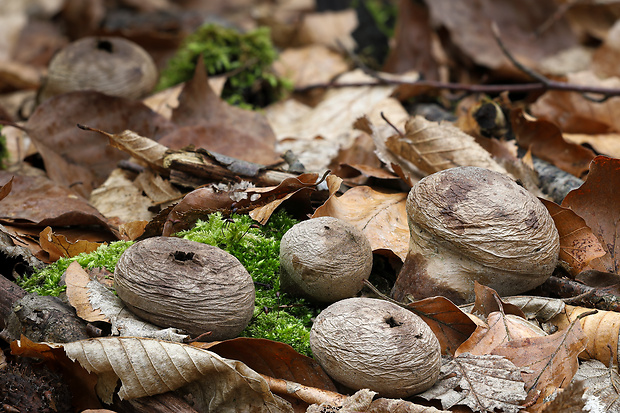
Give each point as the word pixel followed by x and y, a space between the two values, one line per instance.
pixel 325 259
pixel 174 282
pixel 110 65
pixel 370 343
pixel 470 224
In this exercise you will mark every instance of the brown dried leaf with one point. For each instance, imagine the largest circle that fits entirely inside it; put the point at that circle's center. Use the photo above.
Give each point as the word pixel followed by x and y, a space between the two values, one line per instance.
pixel 433 147
pixel 5 189
pixel 545 141
pixel 586 116
pixel 380 215
pixel 77 293
pixel 449 323
pixel 57 245
pixel 578 245
pixel 484 383
pixel 207 122
pixel 551 361
pixel 83 160
pixel 597 201
pixel 501 329
pixel 488 301
pixel 147 367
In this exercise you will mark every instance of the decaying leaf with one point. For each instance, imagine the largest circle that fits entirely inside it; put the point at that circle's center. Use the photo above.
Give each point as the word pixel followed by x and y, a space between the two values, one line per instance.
pixel 545 141
pixel 433 147
pixel 484 383
pixel 548 362
pixel 578 245
pixel 449 323
pixel 597 201
pixel 541 309
pixel 57 245
pixel 379 214
pixel 602 385
pixel 147 367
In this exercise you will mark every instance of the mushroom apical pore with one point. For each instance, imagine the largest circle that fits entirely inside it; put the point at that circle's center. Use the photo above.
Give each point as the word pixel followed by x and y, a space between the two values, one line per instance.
pixel 325 259
pixel 174 282
pixel 471 224
pixel 374 344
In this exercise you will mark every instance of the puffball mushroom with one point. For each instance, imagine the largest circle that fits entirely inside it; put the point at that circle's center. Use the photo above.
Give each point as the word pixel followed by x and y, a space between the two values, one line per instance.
pixel 370 343
pixel 325 259
pixel 174 282
pixel 470 224
pixel 110 65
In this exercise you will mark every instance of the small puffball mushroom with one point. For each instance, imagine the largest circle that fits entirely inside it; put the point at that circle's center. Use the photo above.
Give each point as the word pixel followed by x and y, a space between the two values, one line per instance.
pixel 374 344
pixel 470 224
pixel 174 282
pixel 110 65
pixel 325 259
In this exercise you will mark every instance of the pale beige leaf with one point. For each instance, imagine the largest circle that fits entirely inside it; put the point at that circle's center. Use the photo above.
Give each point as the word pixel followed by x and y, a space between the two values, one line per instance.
pixel 484 383
pixel 148 367
pixel 362 401
pixel 541 309
pixel 602 385
pixel 433 147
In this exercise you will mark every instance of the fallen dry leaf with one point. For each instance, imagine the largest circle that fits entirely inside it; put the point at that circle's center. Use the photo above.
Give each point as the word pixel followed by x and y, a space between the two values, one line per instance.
pixel 597 202
pixel 57 245
pixel 549 362
pixel 545 141
pixel 82 160
pixel 147 367
pixel 433 147
pixel 502 328
pixel 449 323
pixel 379 214
pixel 207 122
pixel 484 383
pixel 488 301
pixel 602 330
pixel 578 245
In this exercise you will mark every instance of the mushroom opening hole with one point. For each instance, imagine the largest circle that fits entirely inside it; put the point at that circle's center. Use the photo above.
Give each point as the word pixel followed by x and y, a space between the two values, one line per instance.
pixel 183 256
pixel 104 45
pixel 392 322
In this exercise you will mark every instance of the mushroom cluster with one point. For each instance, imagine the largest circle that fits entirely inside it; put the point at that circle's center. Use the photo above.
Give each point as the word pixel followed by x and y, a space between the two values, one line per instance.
pixel 471 224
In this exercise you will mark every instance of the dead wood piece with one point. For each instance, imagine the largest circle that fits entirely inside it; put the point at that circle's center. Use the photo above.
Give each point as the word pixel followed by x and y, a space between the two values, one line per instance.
pixel 581 295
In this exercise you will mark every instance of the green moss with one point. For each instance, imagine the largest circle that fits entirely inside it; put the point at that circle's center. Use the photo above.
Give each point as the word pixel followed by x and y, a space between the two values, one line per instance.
pixel 47 280
pixel 225 50
pixel 4 152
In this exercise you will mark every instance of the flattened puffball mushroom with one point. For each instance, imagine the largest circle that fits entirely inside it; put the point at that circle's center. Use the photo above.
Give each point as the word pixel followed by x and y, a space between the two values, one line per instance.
pixel 110 65
pixel 325 259
pixel 470 224
pixel 374 344
pixel 174 282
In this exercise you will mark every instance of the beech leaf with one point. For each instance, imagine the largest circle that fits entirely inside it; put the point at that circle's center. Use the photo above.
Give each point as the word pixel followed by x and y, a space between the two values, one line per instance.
pixel 485 383
pixel 601 383
pixel 147 367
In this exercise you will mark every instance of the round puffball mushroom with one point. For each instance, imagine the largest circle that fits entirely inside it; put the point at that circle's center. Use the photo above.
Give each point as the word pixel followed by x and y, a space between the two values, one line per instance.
pixel 470 224
pixel 370 343
pixel 110 65
pixel 174 282
pixel 325 259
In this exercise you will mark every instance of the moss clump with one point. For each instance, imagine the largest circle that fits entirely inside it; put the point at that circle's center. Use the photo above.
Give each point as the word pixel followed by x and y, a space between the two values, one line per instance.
pixel 4 152
pixel 248 56
pixel 47 280
pixel 277 316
